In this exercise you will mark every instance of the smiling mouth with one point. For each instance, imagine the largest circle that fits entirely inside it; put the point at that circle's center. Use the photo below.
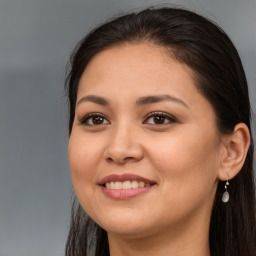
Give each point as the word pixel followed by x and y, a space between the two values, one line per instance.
pixel 127 189
pixel 126 184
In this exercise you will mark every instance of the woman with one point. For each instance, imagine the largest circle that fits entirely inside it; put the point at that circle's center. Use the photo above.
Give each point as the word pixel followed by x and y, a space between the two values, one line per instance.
pixel 160 149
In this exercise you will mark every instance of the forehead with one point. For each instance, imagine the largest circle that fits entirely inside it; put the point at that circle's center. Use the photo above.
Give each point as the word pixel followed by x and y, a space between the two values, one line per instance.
pixel 136 65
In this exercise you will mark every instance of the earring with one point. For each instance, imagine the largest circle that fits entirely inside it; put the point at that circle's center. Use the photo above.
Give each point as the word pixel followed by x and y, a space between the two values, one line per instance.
pixel 225 197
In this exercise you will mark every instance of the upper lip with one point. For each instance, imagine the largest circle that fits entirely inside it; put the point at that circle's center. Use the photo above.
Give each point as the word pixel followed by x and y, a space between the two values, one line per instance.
pixel 124 177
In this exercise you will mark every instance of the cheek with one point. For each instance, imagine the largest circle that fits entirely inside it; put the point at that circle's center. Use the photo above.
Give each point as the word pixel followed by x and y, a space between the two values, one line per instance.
pixel 187 161
pixel 83 160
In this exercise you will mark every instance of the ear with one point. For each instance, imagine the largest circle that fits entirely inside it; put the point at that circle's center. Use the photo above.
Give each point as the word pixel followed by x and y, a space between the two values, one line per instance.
pixel 236 146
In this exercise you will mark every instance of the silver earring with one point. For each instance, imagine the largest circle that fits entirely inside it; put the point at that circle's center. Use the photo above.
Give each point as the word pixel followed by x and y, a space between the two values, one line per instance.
pixel 225 196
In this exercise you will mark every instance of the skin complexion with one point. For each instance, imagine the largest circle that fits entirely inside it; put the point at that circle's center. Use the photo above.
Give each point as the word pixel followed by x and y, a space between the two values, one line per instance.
pixel 145 153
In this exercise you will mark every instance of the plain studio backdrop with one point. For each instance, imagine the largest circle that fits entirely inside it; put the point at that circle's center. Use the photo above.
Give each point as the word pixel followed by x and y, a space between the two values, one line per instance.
pixel 36 39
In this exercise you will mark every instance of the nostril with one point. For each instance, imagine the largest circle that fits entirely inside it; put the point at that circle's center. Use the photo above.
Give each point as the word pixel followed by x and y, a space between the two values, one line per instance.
pixel 120 160
pixel 121 152
pixel 109 159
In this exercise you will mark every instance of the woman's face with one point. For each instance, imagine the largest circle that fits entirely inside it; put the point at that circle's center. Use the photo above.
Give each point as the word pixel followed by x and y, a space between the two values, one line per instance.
pixel 144 149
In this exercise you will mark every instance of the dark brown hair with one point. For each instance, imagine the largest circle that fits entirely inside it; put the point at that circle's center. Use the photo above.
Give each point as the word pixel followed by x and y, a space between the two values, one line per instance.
pixel 219 76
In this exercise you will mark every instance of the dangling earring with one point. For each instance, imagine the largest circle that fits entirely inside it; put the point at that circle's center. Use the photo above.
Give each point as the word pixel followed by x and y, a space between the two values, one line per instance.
pixel 225 197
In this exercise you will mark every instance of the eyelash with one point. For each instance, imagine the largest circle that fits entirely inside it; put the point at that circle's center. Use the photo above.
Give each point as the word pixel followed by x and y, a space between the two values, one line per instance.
pixel 162 115
pixel 89 117
pixel 84 120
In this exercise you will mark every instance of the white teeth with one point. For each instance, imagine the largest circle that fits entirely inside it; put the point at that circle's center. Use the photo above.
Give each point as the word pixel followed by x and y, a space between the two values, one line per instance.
pixel 112 185
pixel 118 185
pixel 126 184
pixel 142 184
pixel 135 184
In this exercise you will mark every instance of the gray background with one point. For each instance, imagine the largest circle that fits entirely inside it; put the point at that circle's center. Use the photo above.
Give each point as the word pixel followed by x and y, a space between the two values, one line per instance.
pixel 36 38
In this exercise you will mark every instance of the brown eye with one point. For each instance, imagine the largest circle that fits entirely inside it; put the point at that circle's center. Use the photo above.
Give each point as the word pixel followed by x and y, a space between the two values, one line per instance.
pixel 97 120
pixel 159 119
pixel 94 119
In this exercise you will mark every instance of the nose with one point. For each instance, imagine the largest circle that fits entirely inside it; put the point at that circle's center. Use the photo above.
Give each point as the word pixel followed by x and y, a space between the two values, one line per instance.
pixel 123 146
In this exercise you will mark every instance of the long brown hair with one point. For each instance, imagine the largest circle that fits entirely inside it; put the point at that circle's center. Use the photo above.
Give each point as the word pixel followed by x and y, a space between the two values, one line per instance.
pixel 219 75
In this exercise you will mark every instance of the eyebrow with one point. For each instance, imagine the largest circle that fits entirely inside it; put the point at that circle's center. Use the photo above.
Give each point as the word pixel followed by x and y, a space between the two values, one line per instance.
pixel 95 99
pixel 159 98
pixel 146 100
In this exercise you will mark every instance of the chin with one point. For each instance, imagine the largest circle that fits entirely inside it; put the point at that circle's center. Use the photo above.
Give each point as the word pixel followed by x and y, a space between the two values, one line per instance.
pixel 128 231
pixel 124 225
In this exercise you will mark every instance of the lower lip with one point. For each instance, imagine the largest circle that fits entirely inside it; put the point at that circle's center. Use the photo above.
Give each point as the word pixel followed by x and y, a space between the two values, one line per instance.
pixel 122 194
